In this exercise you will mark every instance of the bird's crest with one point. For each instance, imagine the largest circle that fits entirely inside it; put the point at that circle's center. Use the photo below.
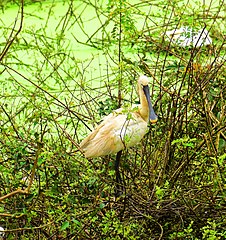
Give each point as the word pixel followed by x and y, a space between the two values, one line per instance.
pixel 143 80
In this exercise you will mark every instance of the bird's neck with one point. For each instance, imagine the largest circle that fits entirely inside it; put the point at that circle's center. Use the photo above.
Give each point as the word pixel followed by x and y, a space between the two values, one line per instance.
pixel 143 107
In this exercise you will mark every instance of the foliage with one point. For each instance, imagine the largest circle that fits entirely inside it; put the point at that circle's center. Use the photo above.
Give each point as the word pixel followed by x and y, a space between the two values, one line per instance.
pixel 53 94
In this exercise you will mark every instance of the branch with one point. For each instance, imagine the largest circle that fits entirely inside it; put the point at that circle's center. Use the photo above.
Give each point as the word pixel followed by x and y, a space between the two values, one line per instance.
pixel 11 37
pixel 13 193
pixel 24 229
pixel 27 190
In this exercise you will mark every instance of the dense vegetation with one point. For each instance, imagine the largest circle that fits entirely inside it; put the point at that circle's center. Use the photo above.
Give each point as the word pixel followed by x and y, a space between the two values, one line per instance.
pixel 52 95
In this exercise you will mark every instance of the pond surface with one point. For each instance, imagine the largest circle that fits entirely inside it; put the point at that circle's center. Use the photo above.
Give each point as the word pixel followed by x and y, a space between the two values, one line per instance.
pixel 43 24
pixel 63 52
pixel 52 30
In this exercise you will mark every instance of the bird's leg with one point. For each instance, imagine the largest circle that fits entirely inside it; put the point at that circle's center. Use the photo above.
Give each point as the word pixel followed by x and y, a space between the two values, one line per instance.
pixel 118 192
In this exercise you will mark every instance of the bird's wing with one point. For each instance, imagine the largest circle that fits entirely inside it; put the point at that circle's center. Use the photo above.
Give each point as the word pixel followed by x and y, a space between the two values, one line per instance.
pixel 99 129
pixel 101 141
pixel 117 131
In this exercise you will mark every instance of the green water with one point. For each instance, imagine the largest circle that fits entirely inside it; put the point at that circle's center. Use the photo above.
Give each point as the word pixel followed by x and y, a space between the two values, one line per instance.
pixel 53 50
pixel 52 25
pixel 42 27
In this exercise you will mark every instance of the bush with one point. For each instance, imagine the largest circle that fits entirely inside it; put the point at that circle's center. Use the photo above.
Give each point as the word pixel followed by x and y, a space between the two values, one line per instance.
pixel 174 180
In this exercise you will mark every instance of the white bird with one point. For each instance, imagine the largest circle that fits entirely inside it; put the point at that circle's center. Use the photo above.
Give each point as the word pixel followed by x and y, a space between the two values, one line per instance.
pixel 186 36
pixel 122 128
pixel 2 234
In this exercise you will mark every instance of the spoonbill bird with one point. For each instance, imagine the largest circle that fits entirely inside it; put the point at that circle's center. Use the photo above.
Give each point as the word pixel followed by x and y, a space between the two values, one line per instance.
pixel 122 128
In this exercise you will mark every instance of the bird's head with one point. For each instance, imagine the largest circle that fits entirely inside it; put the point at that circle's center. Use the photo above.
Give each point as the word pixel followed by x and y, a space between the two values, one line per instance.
pixel 143 82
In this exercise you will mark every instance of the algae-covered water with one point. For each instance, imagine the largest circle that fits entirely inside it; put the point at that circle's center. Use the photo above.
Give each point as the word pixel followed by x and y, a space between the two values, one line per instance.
pixel 70 53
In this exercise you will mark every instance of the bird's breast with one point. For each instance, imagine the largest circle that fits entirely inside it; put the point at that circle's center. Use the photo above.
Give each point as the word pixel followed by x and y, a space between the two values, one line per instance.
pixel 131 129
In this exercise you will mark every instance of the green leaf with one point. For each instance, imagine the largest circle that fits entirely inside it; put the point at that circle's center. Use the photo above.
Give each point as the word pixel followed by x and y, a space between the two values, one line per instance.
pixel 102 205
pixel 64 226
pixel 40 161
pixel 77 222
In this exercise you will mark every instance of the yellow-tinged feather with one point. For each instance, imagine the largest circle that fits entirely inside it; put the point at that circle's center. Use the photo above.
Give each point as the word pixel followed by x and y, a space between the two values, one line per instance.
pixel 116 132
pixel 120 129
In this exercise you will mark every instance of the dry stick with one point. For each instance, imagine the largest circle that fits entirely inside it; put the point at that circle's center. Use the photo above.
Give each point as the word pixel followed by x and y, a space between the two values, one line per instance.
pixel 34 167
pixel 161 86
pixel 12 215
pixel 117 173
pixel 27 190
pixel 7 215
pixel 209 142
pixel 56 70
pixel 120 59
pixel 73 142
pixel 209 136
pixel 14 115
pixel 26 229
pixel 179 169
pixel 13 193
pixel 10 42
pixel 59 103
pixel 69 137
pixel 119 154
pixel 11 121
